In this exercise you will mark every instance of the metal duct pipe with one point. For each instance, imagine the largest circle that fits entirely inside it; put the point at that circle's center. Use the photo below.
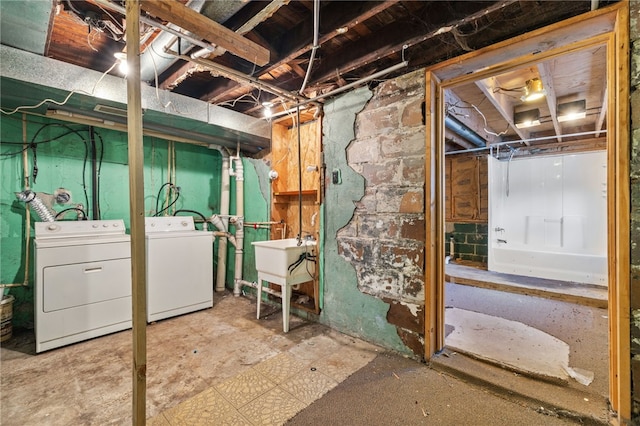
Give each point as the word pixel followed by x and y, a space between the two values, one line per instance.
pixel 463 131
pixel 149 64
pixel 153 60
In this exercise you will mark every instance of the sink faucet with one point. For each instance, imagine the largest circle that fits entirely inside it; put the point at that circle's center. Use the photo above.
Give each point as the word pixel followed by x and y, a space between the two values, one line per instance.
pixel 498 229
pixel 502 241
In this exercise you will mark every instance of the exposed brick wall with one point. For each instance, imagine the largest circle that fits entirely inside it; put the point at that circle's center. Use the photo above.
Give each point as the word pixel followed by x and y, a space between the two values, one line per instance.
pixel 635 205
pixel 470 241
pixel 385 239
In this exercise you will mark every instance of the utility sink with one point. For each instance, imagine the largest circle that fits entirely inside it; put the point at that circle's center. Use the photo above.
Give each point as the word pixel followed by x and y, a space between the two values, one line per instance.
pixel 281 258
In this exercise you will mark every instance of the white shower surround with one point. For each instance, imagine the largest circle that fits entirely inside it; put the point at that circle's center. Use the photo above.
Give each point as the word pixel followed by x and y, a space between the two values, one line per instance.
pixel 548 217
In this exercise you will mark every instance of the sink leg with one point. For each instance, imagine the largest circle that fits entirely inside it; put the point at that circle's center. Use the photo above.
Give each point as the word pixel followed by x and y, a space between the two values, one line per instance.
pixel 259 294
pixel 286 296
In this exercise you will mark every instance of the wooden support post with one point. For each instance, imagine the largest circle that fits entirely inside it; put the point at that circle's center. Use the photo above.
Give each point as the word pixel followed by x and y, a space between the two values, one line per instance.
pixel 136 213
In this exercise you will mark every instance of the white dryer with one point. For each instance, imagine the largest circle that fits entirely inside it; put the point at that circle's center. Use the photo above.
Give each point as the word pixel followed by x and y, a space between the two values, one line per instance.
pixel 83 281
pixel 179 267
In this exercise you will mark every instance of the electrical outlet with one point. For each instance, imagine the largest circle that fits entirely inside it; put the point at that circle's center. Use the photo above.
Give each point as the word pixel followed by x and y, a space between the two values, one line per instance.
pixel 336 176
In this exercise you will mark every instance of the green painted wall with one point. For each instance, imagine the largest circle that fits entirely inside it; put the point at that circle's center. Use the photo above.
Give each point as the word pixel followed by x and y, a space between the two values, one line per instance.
pixel 345 308
pixel 256 209
pixel 61 162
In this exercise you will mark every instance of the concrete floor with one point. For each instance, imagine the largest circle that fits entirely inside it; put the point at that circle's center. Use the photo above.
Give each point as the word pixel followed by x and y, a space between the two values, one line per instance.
pixel 222 366
pixel 583 328
pixel 216 366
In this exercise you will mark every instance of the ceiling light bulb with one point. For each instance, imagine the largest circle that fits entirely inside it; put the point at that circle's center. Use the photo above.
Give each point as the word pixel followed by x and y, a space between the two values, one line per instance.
pixel 533 90
pixel 121 57
pixel 572 110
pixel 267 109
pixel 524 119
pixel 123 68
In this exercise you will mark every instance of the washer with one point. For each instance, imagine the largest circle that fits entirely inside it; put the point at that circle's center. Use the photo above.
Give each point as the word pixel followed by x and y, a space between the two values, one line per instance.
pixel 83 281
pixel 179 267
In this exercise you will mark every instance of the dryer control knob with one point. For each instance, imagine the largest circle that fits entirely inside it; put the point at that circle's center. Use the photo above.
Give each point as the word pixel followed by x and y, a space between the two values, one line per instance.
pixel 95 225
pixel 105 225
pixel 52 227
pixel 184 223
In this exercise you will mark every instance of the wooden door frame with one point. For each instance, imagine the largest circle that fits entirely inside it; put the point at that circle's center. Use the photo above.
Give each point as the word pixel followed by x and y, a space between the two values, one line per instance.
pixel 608 26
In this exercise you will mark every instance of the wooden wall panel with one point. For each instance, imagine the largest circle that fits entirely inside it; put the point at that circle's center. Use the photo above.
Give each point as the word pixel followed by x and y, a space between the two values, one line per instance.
pixel 467 197
pixel 286 200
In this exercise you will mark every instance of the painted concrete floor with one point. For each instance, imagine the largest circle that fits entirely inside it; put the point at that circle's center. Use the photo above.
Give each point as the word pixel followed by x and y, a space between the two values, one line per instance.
pixel 222 366
pixel 217 366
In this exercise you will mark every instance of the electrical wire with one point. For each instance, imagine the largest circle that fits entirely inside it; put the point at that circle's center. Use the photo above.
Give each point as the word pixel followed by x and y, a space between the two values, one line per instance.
pixel 33 145
pixel 64 101
pixel 78 209
pixel 170 204
pixel 171 187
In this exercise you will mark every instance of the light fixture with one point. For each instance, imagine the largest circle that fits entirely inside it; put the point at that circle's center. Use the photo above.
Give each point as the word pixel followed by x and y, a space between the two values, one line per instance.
pixel 267 109
pixel 529 118
pixel 122 62
pixel 572 110
pixel 533 90
pixel 342 30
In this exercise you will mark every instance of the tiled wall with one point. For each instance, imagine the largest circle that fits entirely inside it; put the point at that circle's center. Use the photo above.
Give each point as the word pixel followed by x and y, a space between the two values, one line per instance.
pixel 470 241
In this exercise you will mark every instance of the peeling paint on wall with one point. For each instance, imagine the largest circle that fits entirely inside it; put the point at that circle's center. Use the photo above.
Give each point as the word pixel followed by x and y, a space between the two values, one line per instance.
pixel 383 240
pixel 345 308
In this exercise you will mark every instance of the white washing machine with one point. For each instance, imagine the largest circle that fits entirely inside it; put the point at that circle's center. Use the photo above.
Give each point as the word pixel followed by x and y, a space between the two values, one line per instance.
pixel 83 281
pixel 179 267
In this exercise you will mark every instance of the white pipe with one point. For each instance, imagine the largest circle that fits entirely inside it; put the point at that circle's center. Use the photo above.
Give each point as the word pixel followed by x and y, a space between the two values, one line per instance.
pixel 239 175
pixel 452 243
pixel 221 273
pixel 316 25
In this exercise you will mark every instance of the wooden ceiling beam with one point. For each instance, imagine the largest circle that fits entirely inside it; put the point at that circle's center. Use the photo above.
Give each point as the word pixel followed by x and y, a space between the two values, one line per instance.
pixel 503 104
pixel 392 40
pixel 343 15
pixel 546 76
pixel 188 19
pixel 187 68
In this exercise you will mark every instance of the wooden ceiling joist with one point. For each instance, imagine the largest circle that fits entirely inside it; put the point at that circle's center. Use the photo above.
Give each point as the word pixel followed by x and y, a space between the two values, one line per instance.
pixel 351 14
pixel 175 12
pixel 502 103
pixel 187 68
pixel 546 75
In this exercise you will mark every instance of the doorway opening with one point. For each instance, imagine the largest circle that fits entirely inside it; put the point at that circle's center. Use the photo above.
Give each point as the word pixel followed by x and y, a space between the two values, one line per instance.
pixel 496 81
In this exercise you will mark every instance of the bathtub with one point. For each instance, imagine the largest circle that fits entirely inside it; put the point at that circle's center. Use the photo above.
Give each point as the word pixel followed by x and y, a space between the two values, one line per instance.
pixel 548 217
pixel 582 268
